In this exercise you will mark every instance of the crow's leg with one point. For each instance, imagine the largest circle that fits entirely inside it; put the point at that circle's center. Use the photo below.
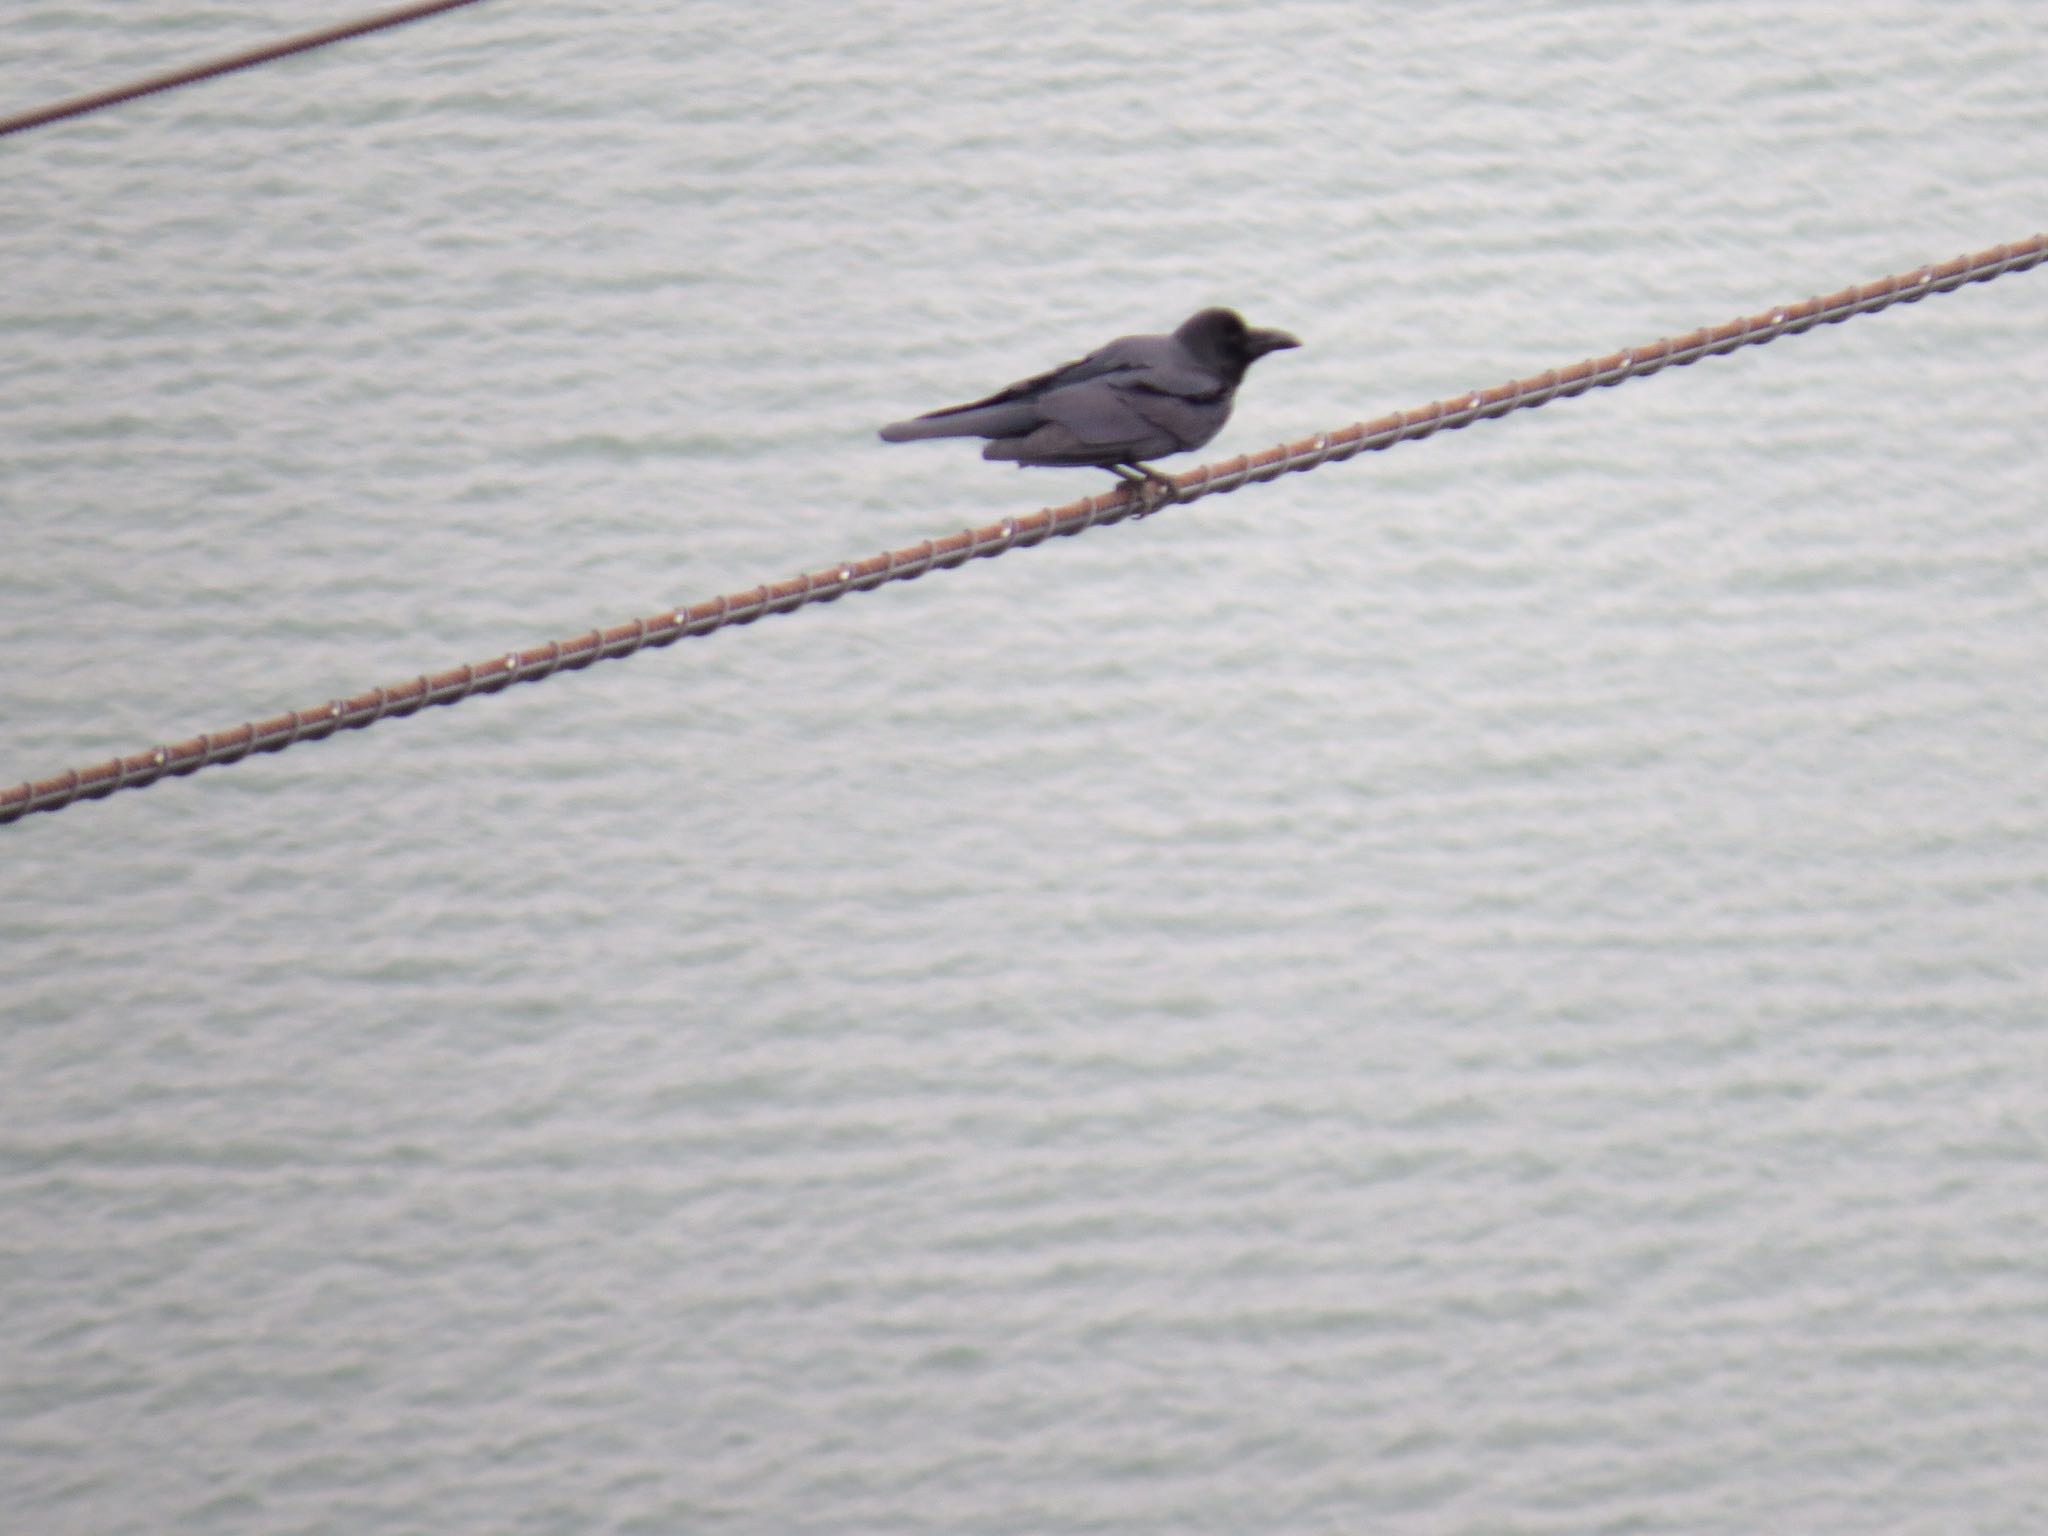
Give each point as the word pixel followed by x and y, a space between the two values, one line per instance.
pixel 1160 488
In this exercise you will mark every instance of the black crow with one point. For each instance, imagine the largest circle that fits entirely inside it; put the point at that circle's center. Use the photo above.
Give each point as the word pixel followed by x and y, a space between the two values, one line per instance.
pixel 1139 398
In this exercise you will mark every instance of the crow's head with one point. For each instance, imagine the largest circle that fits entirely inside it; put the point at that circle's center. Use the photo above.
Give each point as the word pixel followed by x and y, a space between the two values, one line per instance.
pixel 1221 342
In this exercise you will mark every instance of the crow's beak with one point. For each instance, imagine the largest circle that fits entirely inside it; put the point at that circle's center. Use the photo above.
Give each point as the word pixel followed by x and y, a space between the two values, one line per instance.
pixel 1262 342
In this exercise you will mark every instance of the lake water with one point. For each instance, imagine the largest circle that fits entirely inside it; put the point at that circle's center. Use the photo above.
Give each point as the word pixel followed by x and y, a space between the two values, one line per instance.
pixel 1498 987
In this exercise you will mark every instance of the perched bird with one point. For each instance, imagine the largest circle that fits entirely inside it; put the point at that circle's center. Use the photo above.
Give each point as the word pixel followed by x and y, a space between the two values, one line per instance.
pixel 1139 398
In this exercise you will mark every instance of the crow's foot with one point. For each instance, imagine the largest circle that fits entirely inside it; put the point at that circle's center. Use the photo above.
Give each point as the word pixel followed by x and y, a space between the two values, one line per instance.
pixel 1159 489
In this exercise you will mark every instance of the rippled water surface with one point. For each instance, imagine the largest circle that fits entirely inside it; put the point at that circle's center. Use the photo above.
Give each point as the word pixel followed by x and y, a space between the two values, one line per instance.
pixel 1499 987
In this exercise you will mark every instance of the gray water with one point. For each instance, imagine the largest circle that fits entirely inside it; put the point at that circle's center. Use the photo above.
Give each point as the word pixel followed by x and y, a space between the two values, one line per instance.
pixel 1499 987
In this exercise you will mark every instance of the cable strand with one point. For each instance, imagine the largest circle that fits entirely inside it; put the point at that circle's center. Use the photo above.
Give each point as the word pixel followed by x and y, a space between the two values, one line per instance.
pixel 141 769
pixel 246 58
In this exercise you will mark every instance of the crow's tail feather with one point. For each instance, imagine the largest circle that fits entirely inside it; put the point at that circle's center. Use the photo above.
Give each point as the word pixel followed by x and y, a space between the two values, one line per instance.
pixel 1001 420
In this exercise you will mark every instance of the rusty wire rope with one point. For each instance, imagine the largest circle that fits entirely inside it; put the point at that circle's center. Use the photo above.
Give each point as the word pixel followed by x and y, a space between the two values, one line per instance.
pixel 823 586
pixel 262 53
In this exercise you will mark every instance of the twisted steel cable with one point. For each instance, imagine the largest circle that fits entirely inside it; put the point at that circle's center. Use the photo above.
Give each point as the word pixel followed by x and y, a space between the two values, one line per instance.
pixel 262 53
pixel 827 585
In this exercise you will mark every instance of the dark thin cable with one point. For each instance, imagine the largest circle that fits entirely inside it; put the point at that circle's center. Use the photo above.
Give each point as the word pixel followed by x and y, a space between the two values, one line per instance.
pixel 912 561
pixel 149 85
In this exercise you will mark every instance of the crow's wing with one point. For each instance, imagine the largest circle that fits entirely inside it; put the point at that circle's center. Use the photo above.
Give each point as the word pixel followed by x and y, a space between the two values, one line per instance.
pixel 1187 408
pixel 1128 357
pixel 1128 403
pixel 1179 383
pixel 1113 420
pixel 1097 412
